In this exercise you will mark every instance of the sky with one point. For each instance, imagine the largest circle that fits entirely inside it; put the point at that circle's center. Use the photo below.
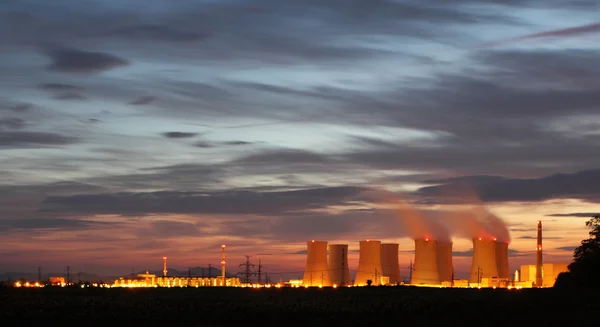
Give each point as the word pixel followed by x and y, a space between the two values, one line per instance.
pixel 132 130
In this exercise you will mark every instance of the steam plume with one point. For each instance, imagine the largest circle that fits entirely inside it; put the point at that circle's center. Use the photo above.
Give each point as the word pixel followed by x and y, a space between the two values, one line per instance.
pixel 415 222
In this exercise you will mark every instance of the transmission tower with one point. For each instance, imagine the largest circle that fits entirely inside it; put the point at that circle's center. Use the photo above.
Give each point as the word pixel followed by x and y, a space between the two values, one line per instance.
pixel 40 274
pixel 260 271
pixel 247 273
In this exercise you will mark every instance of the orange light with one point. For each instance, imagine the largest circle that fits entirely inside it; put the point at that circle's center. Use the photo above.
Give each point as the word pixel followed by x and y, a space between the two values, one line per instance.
pixel 164 258
pixel 223 245
pixel 426 240
pixel 313 241
pixel 480 238
pixel 367 240
pixel 495 239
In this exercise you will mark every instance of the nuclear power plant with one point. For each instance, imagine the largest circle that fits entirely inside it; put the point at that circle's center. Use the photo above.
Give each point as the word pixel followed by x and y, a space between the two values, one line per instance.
pixel 484 260
pixel 338 264
pixel 390 266
pixel 425 269
pixel 369 264
pixel 317 268
pixel 444 261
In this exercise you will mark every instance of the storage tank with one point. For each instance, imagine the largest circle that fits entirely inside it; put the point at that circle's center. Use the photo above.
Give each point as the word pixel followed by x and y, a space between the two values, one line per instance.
pixel 369 263
pixel 317 270
pixel 425 270
pixel 484 260
pixel 502 259
pixel 338 265
pixel 444 261
pixel 390 266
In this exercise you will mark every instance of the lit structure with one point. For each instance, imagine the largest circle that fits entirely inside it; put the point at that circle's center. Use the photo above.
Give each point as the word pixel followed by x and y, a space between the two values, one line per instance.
pixel 369 263
pixel 316 272
pixel 164 266
pixel 223 262
pixel 527 274
pixel 338 265
pixel 502 259
pixel 444 261
pixel 390 266
pixel 539 272
pixel 425 270
pixel 173 281
pixel 484 260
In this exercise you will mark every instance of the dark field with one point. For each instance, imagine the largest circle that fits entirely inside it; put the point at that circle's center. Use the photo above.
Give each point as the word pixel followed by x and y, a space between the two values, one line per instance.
pixel 397 306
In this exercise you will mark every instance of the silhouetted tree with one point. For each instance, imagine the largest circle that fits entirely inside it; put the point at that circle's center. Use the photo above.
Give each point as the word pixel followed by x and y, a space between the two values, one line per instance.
pixel 585 268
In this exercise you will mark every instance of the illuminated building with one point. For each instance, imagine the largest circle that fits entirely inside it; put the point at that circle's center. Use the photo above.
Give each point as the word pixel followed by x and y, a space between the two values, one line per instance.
pixel 484 260
pixel 338 264
pixel 425 270
pixel 444 261
pixel 550 272
pixel 369 263
pixel 316 272
pixel 502 259
pixel 390 266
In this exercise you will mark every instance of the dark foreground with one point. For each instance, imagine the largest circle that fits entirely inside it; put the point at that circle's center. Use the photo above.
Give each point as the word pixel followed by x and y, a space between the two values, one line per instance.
pixel 398 306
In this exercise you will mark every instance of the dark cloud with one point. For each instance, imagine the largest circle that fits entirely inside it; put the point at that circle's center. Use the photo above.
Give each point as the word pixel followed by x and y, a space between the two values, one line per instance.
pixel 59 87
pixel 204 145
pixel 469 253
pixel 143 100
pixel 574 214
pixel 79 61
pixel 11 123
pixel 48 223
pixel 583 185
pixel 33 139
pixel 216 203
pixel 237 143
pixel 70 96
pixel 179 135
pixel 566 248
pixel 159 33
pixel 565 32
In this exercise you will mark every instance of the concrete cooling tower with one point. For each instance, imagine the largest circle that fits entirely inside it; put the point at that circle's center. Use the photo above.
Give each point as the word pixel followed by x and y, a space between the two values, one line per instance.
pixel 390 266
pixel 317 270
pixel 444 261
pixel 369 263
pixel 484 260
pixel 502 259
pixel 425 269
pixel 338 265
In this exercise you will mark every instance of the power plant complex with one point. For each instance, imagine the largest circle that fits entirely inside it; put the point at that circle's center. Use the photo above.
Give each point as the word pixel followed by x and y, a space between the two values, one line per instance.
pixel 378 265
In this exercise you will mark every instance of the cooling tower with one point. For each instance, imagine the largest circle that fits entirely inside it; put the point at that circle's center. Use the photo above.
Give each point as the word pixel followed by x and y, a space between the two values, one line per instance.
pixel 338 264
pixel 390 266
pixel 425 269
pixel 369 263
pixel 484 260
pixel 444 261
pixel 502 259
pixel 317 271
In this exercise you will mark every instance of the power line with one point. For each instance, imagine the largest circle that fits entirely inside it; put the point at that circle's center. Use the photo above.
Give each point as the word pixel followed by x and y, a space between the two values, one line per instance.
pixel 247 272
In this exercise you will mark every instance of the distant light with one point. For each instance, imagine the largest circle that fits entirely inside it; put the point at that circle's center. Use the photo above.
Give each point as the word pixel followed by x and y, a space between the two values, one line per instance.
pixel 427 240
pixel 223 245
pixel 164 258
pixel 495 239
pixel 367 240
pixel 480 238
pixel 313 241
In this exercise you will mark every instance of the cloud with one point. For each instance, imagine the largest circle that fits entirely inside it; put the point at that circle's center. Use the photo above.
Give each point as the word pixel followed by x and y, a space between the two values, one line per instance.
pixel 179 135
pixel 59 87
pixel 70 96
pixel 48 223
pixel 215 203
pixel 159 33
pixel 15 140
pixel 11 123
pixel 237 143
pixel 583 185
pixel 78 61
pixel 469 253
pixel 143 100
pixel 574 214
pixel 566 248
pixel 565 32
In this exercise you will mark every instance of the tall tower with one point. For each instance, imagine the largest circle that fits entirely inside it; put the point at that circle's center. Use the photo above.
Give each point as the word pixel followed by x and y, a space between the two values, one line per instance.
pixel 539 274
pixel 390 267
pixel 369 263
pixel 338 264
pixel 223 261
pixel 317 268
pixel 444 261
pixel 425 270
pixel 165 266
pixel 484 260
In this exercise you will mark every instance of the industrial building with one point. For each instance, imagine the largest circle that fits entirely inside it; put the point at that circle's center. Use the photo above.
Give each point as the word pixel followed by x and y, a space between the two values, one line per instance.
pixel 369 263
pixel 425 270
pixel 484 260
pixel 390 266
pixel 150 280
pixel 444 261
pixel 338 265
pixel 316 272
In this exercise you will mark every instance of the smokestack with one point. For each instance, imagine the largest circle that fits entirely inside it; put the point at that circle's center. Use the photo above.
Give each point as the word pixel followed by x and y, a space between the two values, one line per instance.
pixel 444 261
pixel 317 271
pixel 369 263
pixel 502 259
pixel 539 274
pixel 338 264
pixel 165 266
pixel 426 268
pixel 223 261
pixel 390 266
pixel 484 260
